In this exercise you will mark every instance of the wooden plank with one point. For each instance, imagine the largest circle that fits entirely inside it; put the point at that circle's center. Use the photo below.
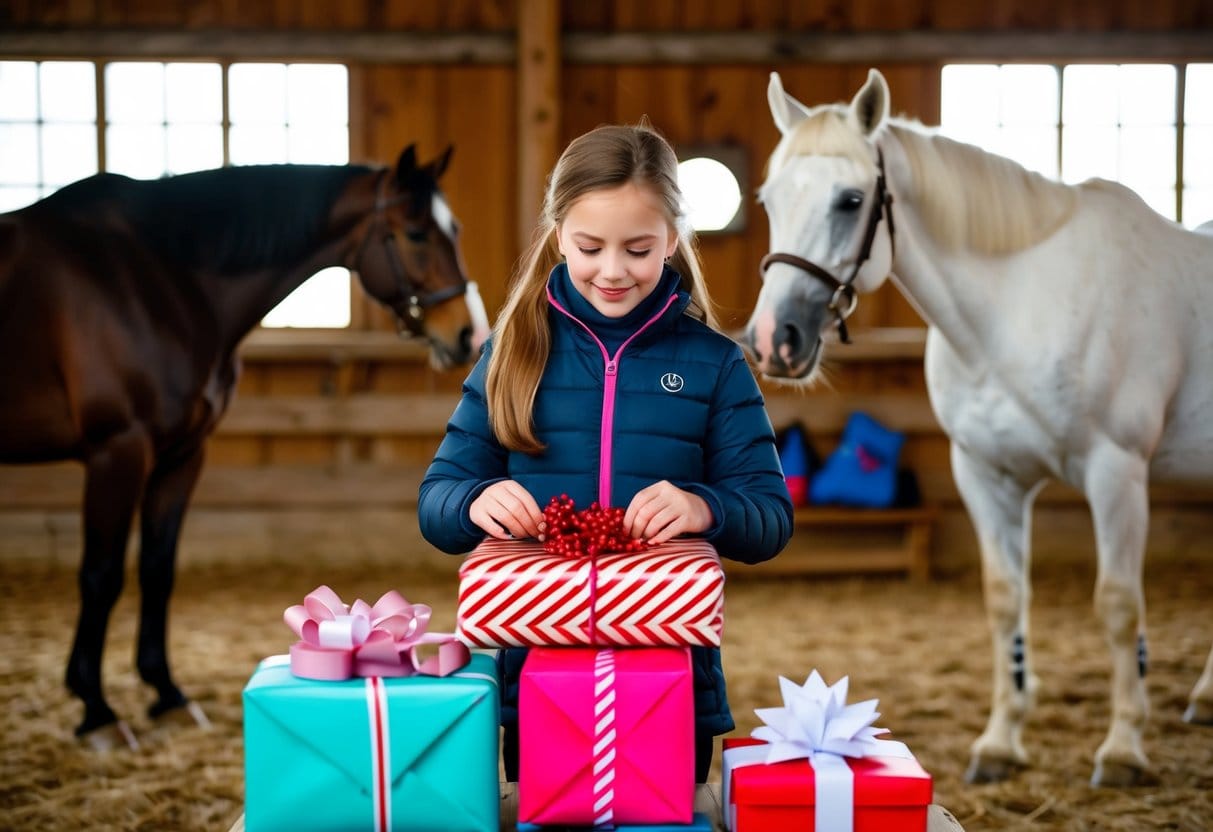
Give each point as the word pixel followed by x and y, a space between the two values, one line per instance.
pixel 539 61
pixel 316 486
pixel 618 48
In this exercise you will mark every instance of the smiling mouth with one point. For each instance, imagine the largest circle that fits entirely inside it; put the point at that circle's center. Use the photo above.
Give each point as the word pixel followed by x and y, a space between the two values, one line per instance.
pixel 613 292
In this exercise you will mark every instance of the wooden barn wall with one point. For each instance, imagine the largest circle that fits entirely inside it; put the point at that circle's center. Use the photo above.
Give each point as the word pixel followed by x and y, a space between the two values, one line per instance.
pixel 328 426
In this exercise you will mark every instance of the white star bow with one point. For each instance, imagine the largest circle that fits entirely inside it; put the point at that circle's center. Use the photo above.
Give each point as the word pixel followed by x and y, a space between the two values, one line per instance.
pixel 815 719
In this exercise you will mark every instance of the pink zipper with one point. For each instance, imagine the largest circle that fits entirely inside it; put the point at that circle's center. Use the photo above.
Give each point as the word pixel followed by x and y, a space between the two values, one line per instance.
pixel 611 367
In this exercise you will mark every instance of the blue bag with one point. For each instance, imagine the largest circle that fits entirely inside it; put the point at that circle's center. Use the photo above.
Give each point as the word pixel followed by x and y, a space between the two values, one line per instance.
pixel 862 471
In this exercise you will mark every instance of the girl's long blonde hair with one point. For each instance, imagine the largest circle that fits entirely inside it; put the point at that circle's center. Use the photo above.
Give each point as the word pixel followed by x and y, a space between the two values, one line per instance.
pixel 606 157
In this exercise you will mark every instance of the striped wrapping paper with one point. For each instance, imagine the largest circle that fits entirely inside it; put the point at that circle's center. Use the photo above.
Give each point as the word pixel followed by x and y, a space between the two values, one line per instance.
pixel 513 594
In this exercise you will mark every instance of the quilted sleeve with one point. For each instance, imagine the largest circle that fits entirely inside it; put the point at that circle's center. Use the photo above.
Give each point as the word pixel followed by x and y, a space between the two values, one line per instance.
pixel 468 461
pixel 743 483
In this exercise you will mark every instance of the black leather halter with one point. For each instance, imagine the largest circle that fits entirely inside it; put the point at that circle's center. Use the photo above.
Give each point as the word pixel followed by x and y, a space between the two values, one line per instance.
pixel 844 299
pixel 406 292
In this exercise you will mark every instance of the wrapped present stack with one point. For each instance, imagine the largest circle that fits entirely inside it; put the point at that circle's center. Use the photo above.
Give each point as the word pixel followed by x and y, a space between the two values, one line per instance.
pixel 606 705
pixel 371 723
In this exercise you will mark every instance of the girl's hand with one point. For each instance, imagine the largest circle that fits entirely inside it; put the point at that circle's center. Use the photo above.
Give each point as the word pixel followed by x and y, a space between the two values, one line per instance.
pixel 505 509
pixel 663 511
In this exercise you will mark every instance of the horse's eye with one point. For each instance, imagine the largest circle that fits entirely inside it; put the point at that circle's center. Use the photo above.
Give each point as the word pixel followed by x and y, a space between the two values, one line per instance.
pixel 848 201
pixel 415 235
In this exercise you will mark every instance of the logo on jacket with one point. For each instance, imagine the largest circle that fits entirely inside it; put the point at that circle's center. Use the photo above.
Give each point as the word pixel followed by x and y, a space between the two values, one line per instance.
pixel 671 382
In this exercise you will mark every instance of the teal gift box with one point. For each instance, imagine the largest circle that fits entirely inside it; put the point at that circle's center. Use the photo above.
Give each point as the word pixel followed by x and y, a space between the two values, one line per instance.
pixel 413 754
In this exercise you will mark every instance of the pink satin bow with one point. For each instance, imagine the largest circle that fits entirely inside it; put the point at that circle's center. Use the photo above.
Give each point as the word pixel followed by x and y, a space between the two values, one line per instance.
pixel 337 642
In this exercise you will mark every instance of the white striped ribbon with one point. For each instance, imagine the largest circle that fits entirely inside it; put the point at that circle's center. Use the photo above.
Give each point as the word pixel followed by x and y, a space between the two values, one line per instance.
pixel 604 740
pixel 381 755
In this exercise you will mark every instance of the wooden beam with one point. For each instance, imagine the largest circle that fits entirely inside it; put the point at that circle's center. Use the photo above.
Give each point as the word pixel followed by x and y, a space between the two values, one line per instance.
pixel 915 46
pixel 539 59
pixel 692 47
pixel 280 44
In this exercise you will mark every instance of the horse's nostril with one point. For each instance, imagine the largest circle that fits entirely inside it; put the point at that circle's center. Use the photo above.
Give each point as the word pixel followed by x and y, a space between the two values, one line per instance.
pixel 794 338
pixel 465 340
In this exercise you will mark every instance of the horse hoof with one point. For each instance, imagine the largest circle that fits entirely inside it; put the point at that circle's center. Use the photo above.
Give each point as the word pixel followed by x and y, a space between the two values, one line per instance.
pixel 1116 774
pixel 988 769
pixel 109 737
pixel 1199 713
pixel 188 714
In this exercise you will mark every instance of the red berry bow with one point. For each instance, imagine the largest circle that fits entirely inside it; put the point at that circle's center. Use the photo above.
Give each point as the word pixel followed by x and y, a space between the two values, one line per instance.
pixel 586 533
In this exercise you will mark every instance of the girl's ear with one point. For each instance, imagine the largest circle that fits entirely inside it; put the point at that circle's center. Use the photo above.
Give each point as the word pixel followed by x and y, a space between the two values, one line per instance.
pixel 671 247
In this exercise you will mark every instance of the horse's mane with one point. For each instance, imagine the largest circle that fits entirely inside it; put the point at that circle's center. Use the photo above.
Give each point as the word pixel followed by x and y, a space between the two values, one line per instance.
pixel 230 220
pixel 967 198
pixel 973 199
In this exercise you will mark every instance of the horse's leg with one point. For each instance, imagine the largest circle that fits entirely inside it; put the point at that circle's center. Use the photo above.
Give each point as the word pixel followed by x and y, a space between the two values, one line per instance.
pixel 1116 489
pixel 164 503
pixel 1200 705
pixel 114 478
pixel 999 508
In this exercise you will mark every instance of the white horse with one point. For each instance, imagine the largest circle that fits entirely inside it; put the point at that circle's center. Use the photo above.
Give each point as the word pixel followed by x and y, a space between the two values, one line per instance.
pixel 1070 338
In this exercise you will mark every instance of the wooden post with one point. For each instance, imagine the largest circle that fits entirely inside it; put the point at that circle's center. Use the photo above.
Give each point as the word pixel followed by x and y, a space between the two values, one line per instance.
pixel 538 107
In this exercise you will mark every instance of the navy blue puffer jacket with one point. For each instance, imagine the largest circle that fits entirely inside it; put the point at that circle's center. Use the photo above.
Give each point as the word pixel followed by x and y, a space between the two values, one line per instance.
pixel 676 401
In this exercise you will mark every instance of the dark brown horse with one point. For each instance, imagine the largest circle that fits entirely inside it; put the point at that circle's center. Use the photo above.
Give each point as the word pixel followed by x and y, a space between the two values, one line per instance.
pixel 122 304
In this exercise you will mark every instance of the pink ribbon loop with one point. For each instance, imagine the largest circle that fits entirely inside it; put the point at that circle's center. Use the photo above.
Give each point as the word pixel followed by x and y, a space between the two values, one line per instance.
pixel 337 641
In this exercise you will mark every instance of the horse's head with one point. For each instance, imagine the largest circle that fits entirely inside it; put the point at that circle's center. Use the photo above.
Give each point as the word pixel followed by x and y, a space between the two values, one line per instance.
pixel 409 260
pixel 825 197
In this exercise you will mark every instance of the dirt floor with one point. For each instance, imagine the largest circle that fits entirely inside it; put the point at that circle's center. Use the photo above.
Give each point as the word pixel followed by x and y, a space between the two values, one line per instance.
pixel 922 650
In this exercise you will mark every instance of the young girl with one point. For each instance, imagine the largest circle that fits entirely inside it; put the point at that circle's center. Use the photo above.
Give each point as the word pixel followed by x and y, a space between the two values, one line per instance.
pixel 607 380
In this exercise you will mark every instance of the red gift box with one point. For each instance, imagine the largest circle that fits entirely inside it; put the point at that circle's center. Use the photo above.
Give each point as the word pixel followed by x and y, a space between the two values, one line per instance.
pixel 514 594
pixel 890 794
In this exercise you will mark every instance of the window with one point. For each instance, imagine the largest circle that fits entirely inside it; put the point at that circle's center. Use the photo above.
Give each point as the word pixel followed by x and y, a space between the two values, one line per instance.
pixel 1125 122
pixel 161 119
pixel 712 181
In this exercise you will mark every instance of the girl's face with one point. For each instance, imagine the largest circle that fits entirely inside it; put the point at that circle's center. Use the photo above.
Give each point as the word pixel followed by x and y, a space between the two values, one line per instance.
pixel 615 241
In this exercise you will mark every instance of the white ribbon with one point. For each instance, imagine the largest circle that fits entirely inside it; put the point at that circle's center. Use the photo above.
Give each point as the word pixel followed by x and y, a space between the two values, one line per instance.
pixel 815 725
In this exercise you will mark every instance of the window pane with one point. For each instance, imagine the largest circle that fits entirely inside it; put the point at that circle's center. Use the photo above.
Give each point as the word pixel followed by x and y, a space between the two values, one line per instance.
pixel 1029 95
pixel 1161 200
pixel 317 94
pixel 13 198
pixel 134 93
pixel 135 150
pixel 257 145
pixel 318 145
pixel 1147 94
pixel 18 154
pixel 68 91
pixel 257 93
pixel 18 91
pixel 193 93
pixel 1147 156
pixel 194 147
pixel 1033 147
pixel 323 300
pixel 1088 152
pixel 967 98
pixel 69 152
pixel 1198 206
pixel 1198 155
pixel 1198 94
pixel 1091 96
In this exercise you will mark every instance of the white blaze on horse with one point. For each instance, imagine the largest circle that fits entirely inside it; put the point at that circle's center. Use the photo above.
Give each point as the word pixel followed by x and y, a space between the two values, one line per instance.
pixel 1070 338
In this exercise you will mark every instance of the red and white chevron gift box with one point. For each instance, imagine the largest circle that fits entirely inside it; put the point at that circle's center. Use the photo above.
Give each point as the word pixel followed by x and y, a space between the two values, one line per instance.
pixel 514 594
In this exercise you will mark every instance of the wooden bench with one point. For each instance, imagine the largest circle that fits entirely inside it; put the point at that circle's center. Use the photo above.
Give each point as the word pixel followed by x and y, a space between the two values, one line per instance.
pixel 829 539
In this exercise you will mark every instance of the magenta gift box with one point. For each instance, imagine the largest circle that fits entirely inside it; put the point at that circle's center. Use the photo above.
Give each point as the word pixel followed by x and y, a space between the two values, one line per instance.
pixel 606 736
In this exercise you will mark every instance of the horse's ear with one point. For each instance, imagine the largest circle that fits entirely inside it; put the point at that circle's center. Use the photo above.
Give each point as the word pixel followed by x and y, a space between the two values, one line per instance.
pixel 407 163
pixel 870 106
pixel 786 110
pixel 438 166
